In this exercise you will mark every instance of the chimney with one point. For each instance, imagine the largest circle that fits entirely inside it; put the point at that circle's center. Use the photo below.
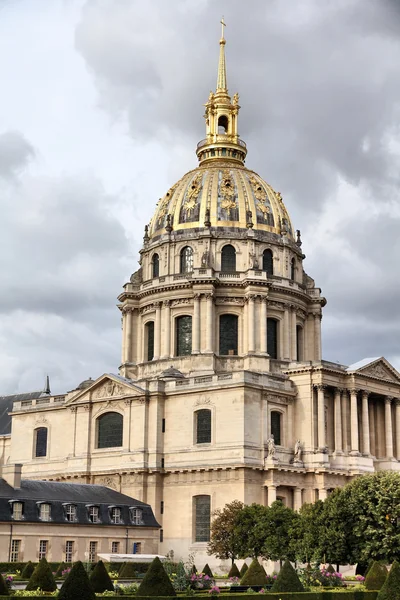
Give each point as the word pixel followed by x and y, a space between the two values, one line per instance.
pixel 12 475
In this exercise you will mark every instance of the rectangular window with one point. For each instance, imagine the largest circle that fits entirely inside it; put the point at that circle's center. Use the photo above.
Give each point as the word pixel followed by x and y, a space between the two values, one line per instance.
pixel 45 512
pixel 183 335
pixel 15 549
pixel 163 426
pixel 70 513
pixel 203 426
pixel 202 510
pixel 115 547
pixel 272 338
pixel 92 551
pixel 276 426
pixel 162 463
pixel 17 511
pixel 162 507
pixel 116 515
pixel 94 514
pixel 150 340
pixel 43 547
pixel 137 547
pixel 161 535
pixel 136 515
pixel 69 551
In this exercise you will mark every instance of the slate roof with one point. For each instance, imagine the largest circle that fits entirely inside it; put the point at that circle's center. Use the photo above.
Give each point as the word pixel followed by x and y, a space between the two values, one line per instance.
pixel 361 363
pixel 57 494
pixel 6 406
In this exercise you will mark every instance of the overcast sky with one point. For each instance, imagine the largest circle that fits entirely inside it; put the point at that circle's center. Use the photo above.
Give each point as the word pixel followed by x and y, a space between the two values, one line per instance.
pixel 100 113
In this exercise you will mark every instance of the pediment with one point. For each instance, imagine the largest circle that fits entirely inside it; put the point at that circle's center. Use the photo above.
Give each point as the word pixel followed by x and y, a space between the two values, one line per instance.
pixel 379 368
pixel 109 387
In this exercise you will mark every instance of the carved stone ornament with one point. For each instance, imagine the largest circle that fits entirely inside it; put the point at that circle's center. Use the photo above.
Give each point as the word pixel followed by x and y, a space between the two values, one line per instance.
pixel 108 482
pixel 41 420
pixel 277 399
pixel 110 388
pixel 192 194
pixel 227 191
pixel 228 300
pixel 181 301
pixel 203 400
pixel 379 371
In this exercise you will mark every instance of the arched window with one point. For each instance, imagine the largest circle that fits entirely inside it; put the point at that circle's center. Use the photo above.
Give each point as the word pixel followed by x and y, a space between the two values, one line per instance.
pixel 149 339
pixel 183 335
pixel 223 124
pixel 155 265
pixel 272 338
pixel 41 441
pixel 109 430
pixel 202 518
pixel 268 263
pixel 228 335
pixel 276 426
pixel 228 259
pixel 292 269
pixel 203 426
pixel 299 342
pixel 186 260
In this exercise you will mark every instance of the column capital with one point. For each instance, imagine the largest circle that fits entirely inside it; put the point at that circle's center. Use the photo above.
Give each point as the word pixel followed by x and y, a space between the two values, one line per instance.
pixel 339 391
pixel 166 303
pixel 320 386
pixel 263 299
pixel 157 304
pixel 251 297
pixel 365 393
pixel 353 390
pixel 397 401
pixel 388 399
pixel 197 296
pixel 209 295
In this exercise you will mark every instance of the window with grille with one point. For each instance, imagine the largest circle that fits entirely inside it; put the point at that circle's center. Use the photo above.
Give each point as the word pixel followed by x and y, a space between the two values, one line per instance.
pixel 150 340
pixel 272 338
pixel 156 265
pixel 183 335
pixel 69 551
pixel 228 259
pixel 41 442
pixel 45 512
pixel 186 260
pixel 137 547
pixel 94 514
pixel 109 430
pixel 203 426
pixel 268 262
pixel 92 551
pixel 70 513
pixel 136 515
pixel 202 516
pixel 17 511
pixel 228 335
pixel 15 550
pixel 276 418
pixel 116 515
pixel 115 547
pixel 43 547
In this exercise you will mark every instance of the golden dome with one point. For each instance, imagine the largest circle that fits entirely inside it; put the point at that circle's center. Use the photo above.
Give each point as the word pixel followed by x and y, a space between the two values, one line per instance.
pixel 221 194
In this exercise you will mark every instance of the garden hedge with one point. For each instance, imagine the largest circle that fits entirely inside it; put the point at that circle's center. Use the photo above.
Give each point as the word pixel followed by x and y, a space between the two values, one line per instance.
pixel 324 595
pixel 391 588
pixel 376 576
pixel 42 578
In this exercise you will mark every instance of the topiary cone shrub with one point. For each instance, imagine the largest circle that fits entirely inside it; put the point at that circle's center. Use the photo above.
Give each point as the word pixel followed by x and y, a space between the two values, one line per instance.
pixel 330 569
pixel 61 567
pixel 193 569
pixel 207 571
pixel 128 571
pixel 4 591
pixel 391 588
pixel 76 585
pixel 100 579
pixel 376 576
pixel 156 581
pixel 255 575
pixel 42 578
pixel 27 570
pixel 234 571
pixel 287 580
pixel 243 570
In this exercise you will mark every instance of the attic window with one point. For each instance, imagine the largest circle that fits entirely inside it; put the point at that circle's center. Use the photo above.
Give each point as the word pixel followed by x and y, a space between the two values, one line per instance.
pixel 70 513
pixel 136 515
pixel 45 511
pixel 93 512
pixel 115 515
pixel 17 510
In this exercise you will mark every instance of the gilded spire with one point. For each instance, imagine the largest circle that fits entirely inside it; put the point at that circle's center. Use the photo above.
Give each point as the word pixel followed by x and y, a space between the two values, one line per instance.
pixel 221 80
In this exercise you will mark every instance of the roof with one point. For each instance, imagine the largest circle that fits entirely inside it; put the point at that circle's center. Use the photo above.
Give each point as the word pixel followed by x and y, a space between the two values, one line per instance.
pixel 6 406
pixel 58 494
pixel 362 363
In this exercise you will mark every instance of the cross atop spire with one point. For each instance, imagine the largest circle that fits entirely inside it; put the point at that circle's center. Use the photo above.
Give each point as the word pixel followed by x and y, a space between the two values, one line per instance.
pixel 221 79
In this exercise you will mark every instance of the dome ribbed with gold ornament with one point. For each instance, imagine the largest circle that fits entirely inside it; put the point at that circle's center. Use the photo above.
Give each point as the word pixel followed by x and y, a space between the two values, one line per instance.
pixel 221 191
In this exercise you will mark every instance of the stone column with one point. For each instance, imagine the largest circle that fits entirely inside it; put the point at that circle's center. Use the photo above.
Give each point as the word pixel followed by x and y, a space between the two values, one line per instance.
pixel 293 335
pixel 167 329
pixel 338 421
pixel 263 325
pixel 271 494
pixel 128 332
pixel 286 326
pixel 321 417
pixel 372 441
pixel 322 493
pixel 345 420
pixel 397 420
pixel 366 448
pixel 388 427
pixel 157 331
pixel 251 324
pixel 210 323
pixel 354 448
pixel 297 498
pixel 289 441
pixel 317 335
pixel 196 324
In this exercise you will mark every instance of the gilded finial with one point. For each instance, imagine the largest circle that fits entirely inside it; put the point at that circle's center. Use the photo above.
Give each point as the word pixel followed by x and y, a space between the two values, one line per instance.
pixel 221 80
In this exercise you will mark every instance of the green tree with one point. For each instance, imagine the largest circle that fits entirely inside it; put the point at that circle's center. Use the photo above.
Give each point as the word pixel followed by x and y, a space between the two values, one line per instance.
pixel 27 570
pixel 376 576
pixel 243 569
pixel 255 575
pixel 250 530
pixel 277 525
pixel 234 571
pixel 4 591
pixel 76 585
pixel 100 579
pixel 304 533
pixel 156 581
pixel 42 578
pixel 224 543
pixel 287 580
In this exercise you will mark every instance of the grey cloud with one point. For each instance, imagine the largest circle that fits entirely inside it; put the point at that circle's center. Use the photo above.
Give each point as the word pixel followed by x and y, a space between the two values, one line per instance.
pixel 15 153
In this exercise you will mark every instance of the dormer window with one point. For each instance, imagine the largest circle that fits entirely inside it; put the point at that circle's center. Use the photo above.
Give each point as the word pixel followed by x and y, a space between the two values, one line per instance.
pixel 94 514
pixel 45 511
pixel 17 510
pixel 115 515
pixel 136 515
pixel 70 513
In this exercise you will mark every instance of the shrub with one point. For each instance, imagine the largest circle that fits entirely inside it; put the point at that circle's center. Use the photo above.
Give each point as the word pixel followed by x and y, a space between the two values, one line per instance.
pixel 255 575
pixel 61 567
pixel 4 589
pixel 100 579
pixel 156 582
pixel 193 569
pixel 207 571
pixel 330 569
pixel 391 588
pixel 243 570
pixel 76 585
pixel 128 571
pixel 376 576
pixel 234 571
pixel 287 580
pixel 42 578
pixel 27 570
